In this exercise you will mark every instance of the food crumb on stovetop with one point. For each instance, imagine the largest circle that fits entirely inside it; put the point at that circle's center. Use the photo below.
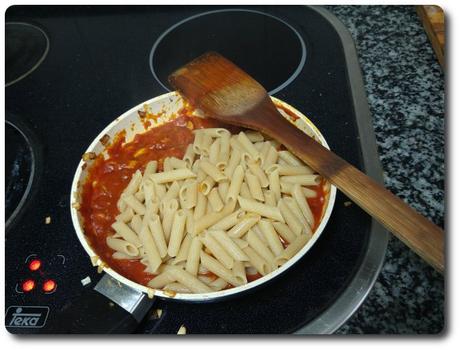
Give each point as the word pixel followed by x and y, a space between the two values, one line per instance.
pixel 157 313
pixel 347 203
pixel 182 330
pixel 85 281
pixel 48 220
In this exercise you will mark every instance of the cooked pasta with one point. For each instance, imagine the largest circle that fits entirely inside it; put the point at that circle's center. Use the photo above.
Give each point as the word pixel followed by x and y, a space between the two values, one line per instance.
pixel 228 207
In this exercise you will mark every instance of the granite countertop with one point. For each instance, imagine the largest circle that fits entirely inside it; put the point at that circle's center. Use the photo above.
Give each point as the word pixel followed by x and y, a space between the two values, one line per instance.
pixel 405 88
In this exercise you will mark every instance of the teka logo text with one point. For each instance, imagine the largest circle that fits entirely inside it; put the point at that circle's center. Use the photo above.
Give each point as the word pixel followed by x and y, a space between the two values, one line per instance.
pixel 26 316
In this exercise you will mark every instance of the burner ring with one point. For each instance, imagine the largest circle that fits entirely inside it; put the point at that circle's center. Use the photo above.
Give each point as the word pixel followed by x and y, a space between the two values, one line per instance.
pixel 278 88
pixel 42 45
pixel 14 191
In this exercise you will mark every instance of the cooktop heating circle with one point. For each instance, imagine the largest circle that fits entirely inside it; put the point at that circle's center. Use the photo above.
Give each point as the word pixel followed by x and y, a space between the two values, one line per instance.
pixel 26 46
pixel 267 47
pixel 19 170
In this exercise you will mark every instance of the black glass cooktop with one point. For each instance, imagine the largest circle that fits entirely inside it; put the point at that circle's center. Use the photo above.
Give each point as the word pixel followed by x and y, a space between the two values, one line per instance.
pixel 25 48
pixel 104 60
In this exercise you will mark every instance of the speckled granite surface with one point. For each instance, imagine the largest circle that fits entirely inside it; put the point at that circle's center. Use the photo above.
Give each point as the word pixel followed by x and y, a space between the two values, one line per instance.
pixel 405 89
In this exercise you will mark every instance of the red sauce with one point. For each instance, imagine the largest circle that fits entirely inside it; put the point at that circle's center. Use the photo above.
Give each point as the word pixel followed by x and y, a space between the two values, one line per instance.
pixel 108 177
pixel 253 277
pixel 317 203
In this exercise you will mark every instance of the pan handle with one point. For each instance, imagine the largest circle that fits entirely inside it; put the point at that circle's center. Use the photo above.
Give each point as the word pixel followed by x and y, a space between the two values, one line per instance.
pixel 111 307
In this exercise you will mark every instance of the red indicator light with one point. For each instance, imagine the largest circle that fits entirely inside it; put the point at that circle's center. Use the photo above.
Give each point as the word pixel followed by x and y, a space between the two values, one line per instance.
pixel 49 286
pixel 34 265
pixel 28 285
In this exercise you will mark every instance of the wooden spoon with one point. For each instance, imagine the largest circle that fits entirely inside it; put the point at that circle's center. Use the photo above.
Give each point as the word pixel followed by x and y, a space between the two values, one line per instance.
pixel 227 93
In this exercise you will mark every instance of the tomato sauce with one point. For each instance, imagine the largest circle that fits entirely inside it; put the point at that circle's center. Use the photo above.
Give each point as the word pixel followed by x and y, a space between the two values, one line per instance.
pixel 107 178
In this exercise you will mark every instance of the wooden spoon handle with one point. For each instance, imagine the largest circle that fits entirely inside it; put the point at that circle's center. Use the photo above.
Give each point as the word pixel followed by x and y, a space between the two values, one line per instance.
pixel 417 232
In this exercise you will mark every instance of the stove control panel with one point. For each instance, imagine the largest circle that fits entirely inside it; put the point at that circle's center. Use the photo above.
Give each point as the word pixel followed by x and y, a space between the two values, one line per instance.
pixel 37 275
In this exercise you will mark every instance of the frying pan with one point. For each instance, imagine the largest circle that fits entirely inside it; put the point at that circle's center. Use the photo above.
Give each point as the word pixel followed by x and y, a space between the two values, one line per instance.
pixel 117 304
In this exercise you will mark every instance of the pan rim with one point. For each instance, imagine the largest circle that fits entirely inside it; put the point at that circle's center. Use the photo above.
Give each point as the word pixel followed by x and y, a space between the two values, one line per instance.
pixel 101 265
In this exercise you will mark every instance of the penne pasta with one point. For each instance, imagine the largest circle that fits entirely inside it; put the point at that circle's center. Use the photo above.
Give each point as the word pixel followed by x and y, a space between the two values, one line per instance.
pixel 136 224
pixel 187 279
pixel 215 200
pixel 239 272
pixel 206 185
pixel 270 158
pixel 235 184
pixel 158 235
pixel 173 192
pixel 212 171
pixel 150 168
pixel 287 189
pixel 303 205
pixel 292 204
pixel 188 195
pixel 289 158
pixel 218 284
pixel 177 232
pixel 258 246
pixel 229 221
pixel 183 251
pixel 210 219
pixel 254 136
pixel 118 255
pixel 200 208
pixel 260 208
pixel 161 280
pixel 269 198
pixel 223 187
pixel 285 232
pixel 257 261
pixel 171 208
pixel 254 187
pixel 122 246
pixel 271 236
pixel 134 183
pixel 214 151
pixel 232 208
pixel 177 163
pixel 205 144
pixel 189 221
pixel 233 162
pixel 229 245
pixel 244 191
pixel 160 190
pixel 290 218
pixel 212 132
pixel 217 250
pixel 193 258
pixel 151 251
pixel 291 250
pixel 189 156
pixel 224 152
pixel 218 269
pixel 292 169
pixel 128 235
pixel 240 229
pixel 177 288
pixel 172 175
pixel 303 180
pixel 249 147
pixel 259 173
pixel 135 204
pixel 125 216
